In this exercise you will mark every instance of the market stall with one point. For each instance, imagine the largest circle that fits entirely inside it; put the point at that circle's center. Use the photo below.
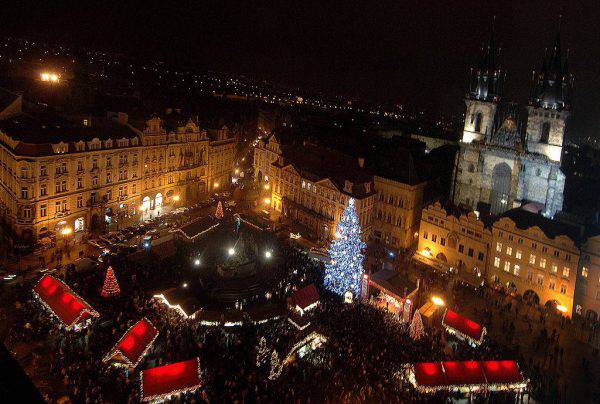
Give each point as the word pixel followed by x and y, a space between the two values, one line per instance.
pixel 133 345
pixel 463 328
pixel 163 382
pixel 71 310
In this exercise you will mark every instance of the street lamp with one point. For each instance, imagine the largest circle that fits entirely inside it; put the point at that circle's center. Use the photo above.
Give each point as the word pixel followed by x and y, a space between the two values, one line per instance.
pixel 216 185
pixel 267 186
pixel 231 251
pixel 438 301
pixel 561 308
pixel 267 201
pixel 49 77
pixel 176 198
pixel 268 254
pixel 197 262
pixel 66 231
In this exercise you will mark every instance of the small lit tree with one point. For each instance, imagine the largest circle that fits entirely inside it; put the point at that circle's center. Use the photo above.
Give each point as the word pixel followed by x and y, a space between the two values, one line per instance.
pixel 344 272
pixel 262 352
pixel 110 287
pixel 416 329
pixel 219 211
pixel 276 366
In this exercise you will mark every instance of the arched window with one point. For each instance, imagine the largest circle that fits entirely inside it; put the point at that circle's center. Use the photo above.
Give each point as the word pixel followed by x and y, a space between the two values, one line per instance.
pixel 471 168
pixel 545 132
pixel 478 119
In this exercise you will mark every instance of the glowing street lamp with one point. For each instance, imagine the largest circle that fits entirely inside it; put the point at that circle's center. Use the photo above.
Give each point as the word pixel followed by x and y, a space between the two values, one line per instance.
pixel 561 308
pixel 197 262
pixel 185 285
pixel 176 198
pixel 438 301
pixel 268 254
pixel 216 185
pixel 267 201
pixel 231 251
pixel 267 186
pixel 66 231
pixel 49 77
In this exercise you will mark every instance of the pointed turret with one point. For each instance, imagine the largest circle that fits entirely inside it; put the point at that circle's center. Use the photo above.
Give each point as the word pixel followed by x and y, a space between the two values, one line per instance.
pixel 487 80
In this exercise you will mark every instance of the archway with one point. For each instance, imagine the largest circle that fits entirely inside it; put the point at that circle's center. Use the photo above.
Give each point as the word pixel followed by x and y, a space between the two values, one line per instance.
pixel 551 304
pixel 442 257
pixel 511 287
pixel 158 201
pixel 531 297
pixel 501 178
pixel 95 223
pixel 146 204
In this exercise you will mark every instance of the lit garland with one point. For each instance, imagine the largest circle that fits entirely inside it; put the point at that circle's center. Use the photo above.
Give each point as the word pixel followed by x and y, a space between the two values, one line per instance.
pixel 115 351
pixel 87 309
pixel 171 394
pixel 161 297
pixel 277 365
pixel 461 335
pixel 344 272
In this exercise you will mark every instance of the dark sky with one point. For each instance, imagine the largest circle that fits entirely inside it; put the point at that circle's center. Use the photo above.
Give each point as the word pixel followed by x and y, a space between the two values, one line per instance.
pixel 414 52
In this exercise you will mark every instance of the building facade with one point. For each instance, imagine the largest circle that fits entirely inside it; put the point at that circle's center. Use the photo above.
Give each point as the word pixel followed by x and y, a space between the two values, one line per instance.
pixel 456 240
pixel 587 292
pixel 504 162
pixel 99 171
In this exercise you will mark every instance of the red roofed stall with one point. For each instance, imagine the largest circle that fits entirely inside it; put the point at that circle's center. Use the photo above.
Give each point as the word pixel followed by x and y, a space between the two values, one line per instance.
pixel 467 376
pixel 72 311
pixel 463 327
pixel 164 381
pixel 305 298
pixel 133 345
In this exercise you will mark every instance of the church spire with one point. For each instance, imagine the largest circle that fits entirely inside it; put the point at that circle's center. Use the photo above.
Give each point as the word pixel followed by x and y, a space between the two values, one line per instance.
pixel 488 78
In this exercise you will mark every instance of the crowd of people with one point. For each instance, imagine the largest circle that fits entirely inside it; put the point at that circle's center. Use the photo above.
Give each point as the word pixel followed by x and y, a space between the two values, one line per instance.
pixel 363 360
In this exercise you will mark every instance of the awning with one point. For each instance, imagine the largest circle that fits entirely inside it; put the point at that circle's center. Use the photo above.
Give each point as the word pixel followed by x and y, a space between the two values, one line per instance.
pixel 164 381
pixel 463 327
pixel 134 344
pixel 467 376
pixel 306 297
pixel 65 304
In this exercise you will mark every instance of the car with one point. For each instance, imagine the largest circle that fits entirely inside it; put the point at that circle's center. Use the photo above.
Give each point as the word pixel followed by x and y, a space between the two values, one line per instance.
pixel 97 243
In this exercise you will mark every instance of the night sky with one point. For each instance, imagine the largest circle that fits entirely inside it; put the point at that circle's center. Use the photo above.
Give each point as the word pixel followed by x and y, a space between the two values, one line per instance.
pixel 413 52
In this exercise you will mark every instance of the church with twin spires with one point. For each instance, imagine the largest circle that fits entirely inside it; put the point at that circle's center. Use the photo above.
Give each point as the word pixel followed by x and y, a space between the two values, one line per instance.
pixel 508 158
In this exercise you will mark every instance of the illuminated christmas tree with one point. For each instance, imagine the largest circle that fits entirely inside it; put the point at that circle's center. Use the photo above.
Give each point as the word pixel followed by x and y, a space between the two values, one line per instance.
pixel 416 329
pixel 110 287
pixel 219 211
pixel 276 366
pixel 344 272
pixel 262 353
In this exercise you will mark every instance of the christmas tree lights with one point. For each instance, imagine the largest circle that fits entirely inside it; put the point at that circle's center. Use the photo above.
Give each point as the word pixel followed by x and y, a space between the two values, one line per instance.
pixel 219 211
pixel 416 329
pixel 262 353
pixel 344 272
pixel 110 287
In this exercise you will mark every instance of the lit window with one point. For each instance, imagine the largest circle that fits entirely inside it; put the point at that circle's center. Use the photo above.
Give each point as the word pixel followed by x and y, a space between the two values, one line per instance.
pixel 516 269
pixel 543 262
pixel 554 268
pixel 518 254
pixel 508 250
pixel 498 247
pixel 552 285
pixel 540 280
pixel 566 271
pixel 584 272
pixel 497 262
pixel 507 266
pixel 532 259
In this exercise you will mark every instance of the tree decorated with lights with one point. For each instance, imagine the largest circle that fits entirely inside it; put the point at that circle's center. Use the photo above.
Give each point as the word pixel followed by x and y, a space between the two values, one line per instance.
pixel 262 353
pixel 344 272
pixel 276 367
pixel 416 329
pixel 219 211
pixel 110 287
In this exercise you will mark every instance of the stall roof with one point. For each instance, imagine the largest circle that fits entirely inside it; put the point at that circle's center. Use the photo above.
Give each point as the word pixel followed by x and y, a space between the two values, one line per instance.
pixel 463 325
pixel 306 296
pixel 393 282
pixel 162 381
pixel 134 344
pixel 63 302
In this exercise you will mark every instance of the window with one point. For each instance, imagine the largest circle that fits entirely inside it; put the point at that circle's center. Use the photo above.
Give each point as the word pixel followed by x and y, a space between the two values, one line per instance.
pixel 480 256
pixel 442 241
pixel 544 132
pixel 95 181
pixel 563 289
pixel 43 210
pixel 552 285
pixel 43 190
pixel 425 235
pixel 461 248
pixel 470 252
pixel 520 241
pixel 80 201
pixel 540 280
pixel 79 165
pixel 507 266
pixel 510 237
pixel 134 188
pixel 434 237
pixel 532 259
pixel 109 194
pixel 568 257
pixel 108 177
pixel 27 212
pixel 43 171
pixel 544 249
pixel 584 272
pixel 566 271
pixel 529 276
pixel 556 253
pixel 79 183
pixel 477 124
pixel 534 245
pixel 499 247
pixel 554 268
pixel 518 254
pixel 509 250
pixel 57 187
pixel 24 193
pixel 543 262
pixel 517 269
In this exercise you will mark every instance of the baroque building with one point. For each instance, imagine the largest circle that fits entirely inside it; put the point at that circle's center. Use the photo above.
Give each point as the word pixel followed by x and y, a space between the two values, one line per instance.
pixel 85 173
pixel 506 159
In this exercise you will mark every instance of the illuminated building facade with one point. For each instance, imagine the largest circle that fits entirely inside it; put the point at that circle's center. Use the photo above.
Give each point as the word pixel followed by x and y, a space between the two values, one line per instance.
pixel 83 175
pixel 505 159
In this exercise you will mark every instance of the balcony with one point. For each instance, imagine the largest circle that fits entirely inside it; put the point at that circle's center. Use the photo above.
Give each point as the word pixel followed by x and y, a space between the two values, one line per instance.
pixel 62 213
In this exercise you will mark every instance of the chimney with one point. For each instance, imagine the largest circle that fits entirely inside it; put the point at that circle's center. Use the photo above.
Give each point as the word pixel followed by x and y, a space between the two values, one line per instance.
pixel 361 162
